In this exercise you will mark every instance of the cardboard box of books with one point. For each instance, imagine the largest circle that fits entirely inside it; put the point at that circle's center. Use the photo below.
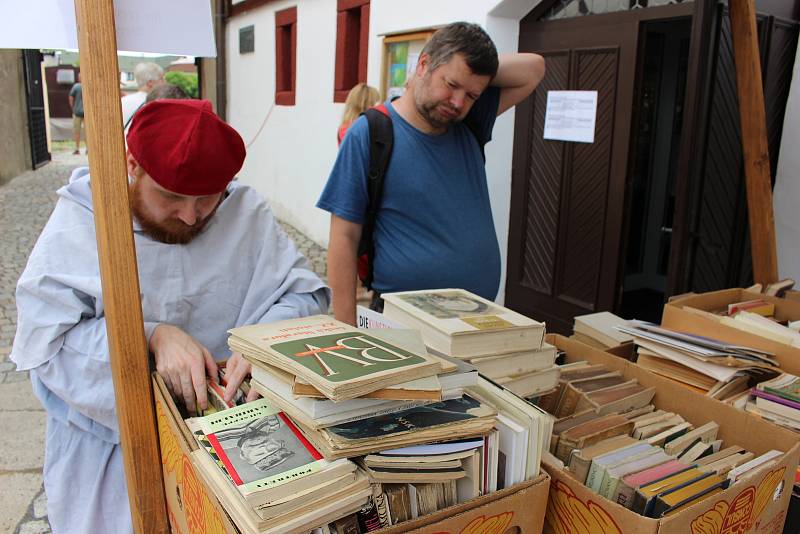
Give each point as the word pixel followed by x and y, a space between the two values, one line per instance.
pixel 193 507
pixel 756 502
pixel 520 508
pixel 698 314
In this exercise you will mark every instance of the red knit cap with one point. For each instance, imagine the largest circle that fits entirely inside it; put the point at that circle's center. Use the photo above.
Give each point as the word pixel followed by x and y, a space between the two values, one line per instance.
pixel 185 147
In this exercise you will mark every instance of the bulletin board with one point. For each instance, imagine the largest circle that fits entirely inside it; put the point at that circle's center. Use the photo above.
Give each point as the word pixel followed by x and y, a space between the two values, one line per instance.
pixel 400 56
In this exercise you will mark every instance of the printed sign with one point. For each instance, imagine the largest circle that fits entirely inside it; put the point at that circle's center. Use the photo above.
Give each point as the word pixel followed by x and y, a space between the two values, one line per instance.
pixel 570 116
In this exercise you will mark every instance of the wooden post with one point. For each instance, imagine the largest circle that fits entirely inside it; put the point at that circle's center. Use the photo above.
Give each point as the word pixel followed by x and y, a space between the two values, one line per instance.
pixel 754 141
pixel 118 271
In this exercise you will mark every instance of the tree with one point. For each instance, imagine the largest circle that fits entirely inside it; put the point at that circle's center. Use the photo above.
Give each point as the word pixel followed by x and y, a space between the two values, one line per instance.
pixel 185 80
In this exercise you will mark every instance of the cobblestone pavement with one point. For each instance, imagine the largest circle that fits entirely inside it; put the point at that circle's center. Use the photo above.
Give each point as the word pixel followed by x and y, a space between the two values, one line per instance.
pixel 25 204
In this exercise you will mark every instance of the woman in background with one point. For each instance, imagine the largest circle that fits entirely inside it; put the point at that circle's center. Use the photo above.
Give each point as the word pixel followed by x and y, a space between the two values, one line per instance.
pixel 359 99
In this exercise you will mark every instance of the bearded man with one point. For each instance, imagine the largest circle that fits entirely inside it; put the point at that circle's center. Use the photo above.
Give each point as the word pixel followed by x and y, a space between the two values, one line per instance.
pixel 434 226
pixel 211 257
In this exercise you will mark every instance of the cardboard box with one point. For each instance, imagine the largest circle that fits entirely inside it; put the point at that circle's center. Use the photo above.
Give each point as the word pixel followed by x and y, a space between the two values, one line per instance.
pixel 677 318
pixel 193 508
pixel 758 503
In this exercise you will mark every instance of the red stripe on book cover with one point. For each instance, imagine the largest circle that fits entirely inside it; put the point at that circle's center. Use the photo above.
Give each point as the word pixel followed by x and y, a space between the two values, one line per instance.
pixel 212 438
pixel 307 444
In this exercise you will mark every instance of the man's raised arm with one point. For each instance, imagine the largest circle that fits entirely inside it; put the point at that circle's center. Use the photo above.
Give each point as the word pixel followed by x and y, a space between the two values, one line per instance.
pixel 517 76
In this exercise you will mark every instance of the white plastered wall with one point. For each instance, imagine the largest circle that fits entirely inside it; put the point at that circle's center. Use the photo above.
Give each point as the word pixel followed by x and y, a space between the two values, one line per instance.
pixel 787 185
pixel 291 157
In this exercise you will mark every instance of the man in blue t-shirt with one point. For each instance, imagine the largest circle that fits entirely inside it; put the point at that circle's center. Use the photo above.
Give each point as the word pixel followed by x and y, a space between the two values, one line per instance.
pixel 435 227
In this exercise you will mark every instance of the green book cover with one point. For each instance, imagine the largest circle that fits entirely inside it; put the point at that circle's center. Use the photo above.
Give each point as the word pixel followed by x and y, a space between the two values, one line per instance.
pixel 343 357
pixel 790 391
pixel 333 356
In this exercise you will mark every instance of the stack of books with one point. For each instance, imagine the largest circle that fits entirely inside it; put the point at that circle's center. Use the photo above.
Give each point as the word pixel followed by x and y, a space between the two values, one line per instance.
pixel 592 387
pixel 599 330
pixel 650 461
pixel 777 400
pixel 268 476
pixel 711 367
pixel 502 344
pixel 381 431
pixel 755 317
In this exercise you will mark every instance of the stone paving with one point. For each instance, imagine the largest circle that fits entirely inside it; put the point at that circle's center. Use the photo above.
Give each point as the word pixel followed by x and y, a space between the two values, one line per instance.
pixel 25 204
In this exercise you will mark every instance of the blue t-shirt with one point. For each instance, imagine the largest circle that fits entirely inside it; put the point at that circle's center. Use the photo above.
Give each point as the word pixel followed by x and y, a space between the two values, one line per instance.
pixel 435 227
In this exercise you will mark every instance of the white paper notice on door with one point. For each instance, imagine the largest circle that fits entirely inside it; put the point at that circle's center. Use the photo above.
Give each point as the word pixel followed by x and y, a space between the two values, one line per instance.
pixel 570 116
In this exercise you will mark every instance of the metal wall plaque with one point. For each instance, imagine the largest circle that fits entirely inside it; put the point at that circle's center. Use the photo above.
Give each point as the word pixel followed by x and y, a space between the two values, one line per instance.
pixel 247 39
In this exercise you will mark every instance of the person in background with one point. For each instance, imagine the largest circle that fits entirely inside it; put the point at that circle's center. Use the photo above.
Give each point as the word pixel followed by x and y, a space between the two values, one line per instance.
pixel 359 99
pixel 434 228
pixel 166 90
pixel 76 105
pixel 148 76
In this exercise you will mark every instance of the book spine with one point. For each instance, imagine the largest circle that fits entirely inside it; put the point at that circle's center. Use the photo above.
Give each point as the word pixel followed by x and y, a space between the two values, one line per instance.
pixel 383 510
pixel 568 401
pixel 781 393
pixel 658 508
pixel 594 477
pixel 565 448
pixel 638 503
pixel 775 398
pixel 606 484
pixel 549 402
pixel 584 403
pixel 579 467
pixel 368 518
pixel 624 494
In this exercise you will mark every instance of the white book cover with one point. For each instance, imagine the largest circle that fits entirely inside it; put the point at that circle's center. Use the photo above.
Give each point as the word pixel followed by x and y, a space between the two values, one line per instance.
pixel 457 312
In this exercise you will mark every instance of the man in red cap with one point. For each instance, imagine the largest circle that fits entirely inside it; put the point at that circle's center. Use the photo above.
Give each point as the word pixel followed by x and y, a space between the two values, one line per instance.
pixel 211 257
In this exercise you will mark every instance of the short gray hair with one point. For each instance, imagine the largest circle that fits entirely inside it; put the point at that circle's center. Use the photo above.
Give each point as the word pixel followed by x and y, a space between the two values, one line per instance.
pixel 147 72
pixel 166 90
pixel 467 39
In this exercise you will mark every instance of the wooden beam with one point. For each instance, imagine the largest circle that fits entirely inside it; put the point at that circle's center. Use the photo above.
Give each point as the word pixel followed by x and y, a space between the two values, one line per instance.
pixel 118 271
pixel 754 141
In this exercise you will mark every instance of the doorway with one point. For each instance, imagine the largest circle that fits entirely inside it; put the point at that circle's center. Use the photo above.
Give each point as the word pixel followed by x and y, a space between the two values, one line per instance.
pixel 658 111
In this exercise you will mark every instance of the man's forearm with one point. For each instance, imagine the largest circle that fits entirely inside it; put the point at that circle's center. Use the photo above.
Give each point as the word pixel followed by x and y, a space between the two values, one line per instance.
pixel 517 76
pixel 342 275
pixel 518 70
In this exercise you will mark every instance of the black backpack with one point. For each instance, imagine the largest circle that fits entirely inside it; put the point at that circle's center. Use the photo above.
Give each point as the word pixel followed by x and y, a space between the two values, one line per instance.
pixel 381 142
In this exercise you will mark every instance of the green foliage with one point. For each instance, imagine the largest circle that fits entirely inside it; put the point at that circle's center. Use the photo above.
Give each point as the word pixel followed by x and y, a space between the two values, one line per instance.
pixel 185 80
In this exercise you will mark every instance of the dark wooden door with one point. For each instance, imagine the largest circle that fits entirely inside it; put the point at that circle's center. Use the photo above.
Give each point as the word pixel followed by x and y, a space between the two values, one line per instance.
pixel 567 198
pixel 718 244
pixel 37 128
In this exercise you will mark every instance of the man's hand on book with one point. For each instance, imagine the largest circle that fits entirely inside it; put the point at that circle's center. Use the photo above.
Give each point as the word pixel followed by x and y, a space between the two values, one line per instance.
pixel 237 369
pixel 183 363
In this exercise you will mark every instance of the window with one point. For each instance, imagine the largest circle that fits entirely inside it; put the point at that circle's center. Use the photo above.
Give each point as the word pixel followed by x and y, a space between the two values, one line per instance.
pixel 285 56
pixel 352 42
pixel 400 55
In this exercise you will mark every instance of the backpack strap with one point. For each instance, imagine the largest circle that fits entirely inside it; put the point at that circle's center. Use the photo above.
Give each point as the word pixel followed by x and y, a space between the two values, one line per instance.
pixel 381 141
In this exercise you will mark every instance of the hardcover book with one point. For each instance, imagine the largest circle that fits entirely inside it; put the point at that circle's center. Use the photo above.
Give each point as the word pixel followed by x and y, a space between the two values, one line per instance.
pixel 339 360
pixel 461 324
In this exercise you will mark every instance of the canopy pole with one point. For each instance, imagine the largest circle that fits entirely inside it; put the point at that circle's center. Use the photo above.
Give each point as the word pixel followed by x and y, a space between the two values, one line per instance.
pixel 118 270
pixel 755 148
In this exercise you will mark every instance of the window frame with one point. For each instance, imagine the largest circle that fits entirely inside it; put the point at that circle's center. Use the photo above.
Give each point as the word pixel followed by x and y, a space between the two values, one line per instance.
pixel 286 73
pixel 350 46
